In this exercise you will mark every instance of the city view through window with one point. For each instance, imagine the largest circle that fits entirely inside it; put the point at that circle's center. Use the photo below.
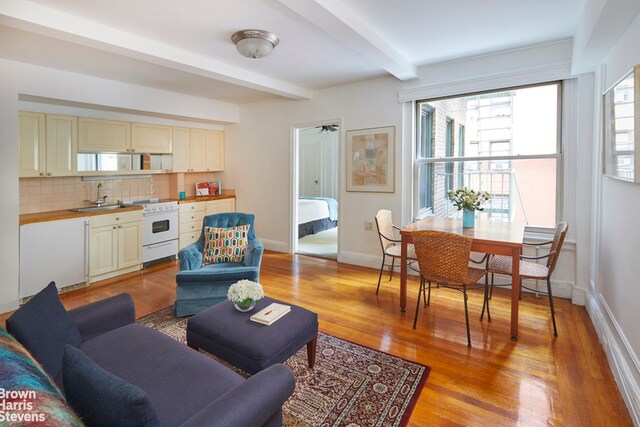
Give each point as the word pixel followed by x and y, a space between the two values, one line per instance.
pixel 503 142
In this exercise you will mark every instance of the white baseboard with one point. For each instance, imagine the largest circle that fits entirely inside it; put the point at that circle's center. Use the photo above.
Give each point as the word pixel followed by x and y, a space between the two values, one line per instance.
pixel 275 245
pixel 623 362
pixel 9 306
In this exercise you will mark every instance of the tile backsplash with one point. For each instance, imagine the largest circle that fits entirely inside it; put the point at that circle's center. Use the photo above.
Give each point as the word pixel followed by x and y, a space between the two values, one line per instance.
pixel 50 194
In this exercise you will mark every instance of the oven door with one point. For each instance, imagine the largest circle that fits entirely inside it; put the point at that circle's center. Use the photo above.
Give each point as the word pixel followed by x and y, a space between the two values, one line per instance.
pixel 160 227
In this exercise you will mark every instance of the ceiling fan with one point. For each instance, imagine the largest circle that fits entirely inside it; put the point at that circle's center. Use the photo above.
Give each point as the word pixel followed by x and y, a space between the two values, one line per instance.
pixel 324 129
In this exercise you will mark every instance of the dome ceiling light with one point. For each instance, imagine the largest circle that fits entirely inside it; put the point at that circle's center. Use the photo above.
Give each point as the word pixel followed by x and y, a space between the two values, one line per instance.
pixel 254 43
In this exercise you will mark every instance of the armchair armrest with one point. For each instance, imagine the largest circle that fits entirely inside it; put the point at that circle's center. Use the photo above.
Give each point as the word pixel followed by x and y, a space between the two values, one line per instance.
pixel 251 403
pixel 253 255
pixel 103 316
pixel 190 257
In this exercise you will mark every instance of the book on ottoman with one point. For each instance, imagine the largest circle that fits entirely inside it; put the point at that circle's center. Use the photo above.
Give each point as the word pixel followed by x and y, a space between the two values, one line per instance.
pixel 271 313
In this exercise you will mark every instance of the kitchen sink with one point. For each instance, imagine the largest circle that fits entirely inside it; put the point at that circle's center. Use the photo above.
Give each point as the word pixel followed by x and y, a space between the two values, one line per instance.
pixel 98 208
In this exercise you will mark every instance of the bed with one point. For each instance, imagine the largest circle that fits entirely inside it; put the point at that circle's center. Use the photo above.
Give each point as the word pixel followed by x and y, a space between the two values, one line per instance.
pixel 316 214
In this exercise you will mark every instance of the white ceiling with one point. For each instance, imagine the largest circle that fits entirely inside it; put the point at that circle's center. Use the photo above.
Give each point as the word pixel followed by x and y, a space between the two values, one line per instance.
pixel 184 46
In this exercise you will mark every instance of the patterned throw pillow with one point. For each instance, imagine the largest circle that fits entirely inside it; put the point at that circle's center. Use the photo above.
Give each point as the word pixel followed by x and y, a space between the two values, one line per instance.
pixel 225 244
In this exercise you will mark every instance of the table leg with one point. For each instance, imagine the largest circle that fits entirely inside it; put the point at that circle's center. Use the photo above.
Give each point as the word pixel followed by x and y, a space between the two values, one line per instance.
pixel 311 351
pixel 403 274
pixel 515 292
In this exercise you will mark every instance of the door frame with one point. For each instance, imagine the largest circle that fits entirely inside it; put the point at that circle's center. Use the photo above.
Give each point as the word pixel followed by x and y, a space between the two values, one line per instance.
pixel 295 177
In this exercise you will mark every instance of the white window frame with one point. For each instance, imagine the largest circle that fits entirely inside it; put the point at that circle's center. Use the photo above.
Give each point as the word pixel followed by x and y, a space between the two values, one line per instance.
pixel 417 161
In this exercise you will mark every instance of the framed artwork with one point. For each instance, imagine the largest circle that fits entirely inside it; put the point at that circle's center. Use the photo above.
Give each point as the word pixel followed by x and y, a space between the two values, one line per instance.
pixel 370 159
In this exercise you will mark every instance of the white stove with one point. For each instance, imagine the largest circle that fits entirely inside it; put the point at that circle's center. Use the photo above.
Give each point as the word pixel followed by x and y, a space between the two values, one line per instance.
pixel 160 228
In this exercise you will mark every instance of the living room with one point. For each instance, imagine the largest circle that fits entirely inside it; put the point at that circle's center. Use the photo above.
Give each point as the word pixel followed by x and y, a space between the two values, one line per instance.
pixel 596 268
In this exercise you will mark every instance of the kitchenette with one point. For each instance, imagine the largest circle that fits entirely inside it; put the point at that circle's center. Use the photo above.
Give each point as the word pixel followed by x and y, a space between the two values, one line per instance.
pixel 105 198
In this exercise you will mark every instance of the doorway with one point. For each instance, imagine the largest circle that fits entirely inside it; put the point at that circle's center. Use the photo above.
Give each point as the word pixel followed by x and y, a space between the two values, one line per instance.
pixel 316 188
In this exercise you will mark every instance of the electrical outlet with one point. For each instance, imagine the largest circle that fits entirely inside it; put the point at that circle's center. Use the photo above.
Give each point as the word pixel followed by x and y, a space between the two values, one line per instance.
pixel 368 226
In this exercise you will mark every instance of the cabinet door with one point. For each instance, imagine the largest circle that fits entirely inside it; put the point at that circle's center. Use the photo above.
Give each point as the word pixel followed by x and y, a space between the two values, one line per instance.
pixel 197 140
pixel 214 150
pixel 180 149
pixel 32 144
pixel 104 135
pixel 154 139
pixel 219 206
pixel 104 250
pixel 129 244
pixel 62 145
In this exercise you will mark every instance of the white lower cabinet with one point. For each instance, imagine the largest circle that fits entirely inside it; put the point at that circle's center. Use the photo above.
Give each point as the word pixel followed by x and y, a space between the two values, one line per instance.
pixel 116 244
pixel 220 206
pixel 192 214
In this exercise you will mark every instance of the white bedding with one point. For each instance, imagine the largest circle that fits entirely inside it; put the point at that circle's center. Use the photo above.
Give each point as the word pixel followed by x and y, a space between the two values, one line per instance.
pixel 311 210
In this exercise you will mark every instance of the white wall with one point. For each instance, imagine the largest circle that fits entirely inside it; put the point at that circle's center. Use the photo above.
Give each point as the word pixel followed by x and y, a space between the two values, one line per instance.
pixel 23 79
pixel 615 284
pixel 259 158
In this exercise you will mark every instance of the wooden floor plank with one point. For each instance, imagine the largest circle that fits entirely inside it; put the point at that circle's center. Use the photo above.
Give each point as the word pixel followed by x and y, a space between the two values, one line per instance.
pixel 538 380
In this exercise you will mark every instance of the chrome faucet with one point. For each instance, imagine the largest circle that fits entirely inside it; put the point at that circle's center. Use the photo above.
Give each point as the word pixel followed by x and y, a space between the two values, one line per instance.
pixel 100 200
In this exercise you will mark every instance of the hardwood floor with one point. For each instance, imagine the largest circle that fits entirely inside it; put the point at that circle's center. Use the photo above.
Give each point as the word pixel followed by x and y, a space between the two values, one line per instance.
pixel 538 380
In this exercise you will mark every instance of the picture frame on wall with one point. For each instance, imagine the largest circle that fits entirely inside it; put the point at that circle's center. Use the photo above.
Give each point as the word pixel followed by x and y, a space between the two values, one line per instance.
pixel 371 159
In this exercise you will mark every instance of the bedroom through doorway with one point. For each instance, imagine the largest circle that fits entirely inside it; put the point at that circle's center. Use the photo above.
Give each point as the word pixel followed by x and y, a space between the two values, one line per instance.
pixel 317 190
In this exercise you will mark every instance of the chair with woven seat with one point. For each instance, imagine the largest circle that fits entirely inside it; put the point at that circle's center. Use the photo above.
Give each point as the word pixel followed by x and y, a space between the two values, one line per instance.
pixel 529 269
pixel 390 243
pixel 444 259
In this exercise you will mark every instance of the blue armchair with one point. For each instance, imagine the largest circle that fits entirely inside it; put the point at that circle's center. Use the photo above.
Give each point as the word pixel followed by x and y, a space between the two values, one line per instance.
pixel 201 286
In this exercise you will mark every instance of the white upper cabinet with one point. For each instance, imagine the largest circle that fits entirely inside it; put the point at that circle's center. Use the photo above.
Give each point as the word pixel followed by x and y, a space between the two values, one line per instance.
pixel 197 150
pixel 214 151
pixel 146 138
pixel 48 144
pixel 104 136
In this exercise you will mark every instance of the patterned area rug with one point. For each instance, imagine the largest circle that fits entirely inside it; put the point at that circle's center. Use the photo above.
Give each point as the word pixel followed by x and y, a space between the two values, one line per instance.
pixel 350 385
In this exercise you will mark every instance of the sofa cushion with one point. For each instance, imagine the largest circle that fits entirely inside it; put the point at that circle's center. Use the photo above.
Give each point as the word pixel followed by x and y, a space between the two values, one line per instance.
pixel 225 244
pixel 19 372
pixel 101 398
pixel 43 326
pixel 179 380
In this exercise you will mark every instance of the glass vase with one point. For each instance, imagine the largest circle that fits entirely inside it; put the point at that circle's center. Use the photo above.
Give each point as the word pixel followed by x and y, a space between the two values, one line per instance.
pixel 243 307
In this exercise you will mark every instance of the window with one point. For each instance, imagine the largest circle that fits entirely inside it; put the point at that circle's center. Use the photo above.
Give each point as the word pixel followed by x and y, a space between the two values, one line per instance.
pixel 505 142
pixel 425 150
pixel 448 152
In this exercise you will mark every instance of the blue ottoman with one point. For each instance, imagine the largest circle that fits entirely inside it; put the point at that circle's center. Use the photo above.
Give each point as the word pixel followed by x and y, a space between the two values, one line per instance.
pixel 229 334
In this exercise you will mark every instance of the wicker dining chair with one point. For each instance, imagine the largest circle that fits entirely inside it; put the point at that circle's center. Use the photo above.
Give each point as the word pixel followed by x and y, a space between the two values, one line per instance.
pixel 444 260
pixel 389 243
pixel 500 264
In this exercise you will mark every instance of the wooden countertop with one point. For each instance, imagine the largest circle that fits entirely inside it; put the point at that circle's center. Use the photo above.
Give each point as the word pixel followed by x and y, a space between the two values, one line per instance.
pixel 206 198
pixel 67 214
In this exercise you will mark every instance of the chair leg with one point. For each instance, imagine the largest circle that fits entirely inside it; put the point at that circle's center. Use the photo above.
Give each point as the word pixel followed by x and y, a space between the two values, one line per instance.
pixel 429 297
pixel 486 299
pixel 415 319
pixel 491 293
pixel 553 311
pixel 393 262
pixel 424 297
pixel 381 269
pixel 466 315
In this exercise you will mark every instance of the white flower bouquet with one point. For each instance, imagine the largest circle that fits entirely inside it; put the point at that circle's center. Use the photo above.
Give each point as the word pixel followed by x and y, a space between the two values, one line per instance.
pixel 245 292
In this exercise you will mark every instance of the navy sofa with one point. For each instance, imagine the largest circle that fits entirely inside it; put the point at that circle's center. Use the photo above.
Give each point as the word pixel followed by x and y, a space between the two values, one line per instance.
pixel 201 286
pixel 181 386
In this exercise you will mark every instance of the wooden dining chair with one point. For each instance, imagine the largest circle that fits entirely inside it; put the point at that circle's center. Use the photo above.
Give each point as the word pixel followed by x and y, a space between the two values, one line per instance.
pixel 444 260
pixel 529 269
pixel 390 243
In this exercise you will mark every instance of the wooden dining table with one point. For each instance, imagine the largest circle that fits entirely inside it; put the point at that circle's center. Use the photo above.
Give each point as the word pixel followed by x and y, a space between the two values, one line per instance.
pixel 491 237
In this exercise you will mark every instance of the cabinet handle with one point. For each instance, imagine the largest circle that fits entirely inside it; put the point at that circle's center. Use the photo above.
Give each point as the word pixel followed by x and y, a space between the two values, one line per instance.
pixel 119 226
pixel 133 150
pixel 114 227
pixel 49 174
pixel 41 173
pixel 117 218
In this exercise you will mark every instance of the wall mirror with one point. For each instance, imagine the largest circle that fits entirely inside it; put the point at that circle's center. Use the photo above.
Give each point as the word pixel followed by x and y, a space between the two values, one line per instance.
pixel 621 113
